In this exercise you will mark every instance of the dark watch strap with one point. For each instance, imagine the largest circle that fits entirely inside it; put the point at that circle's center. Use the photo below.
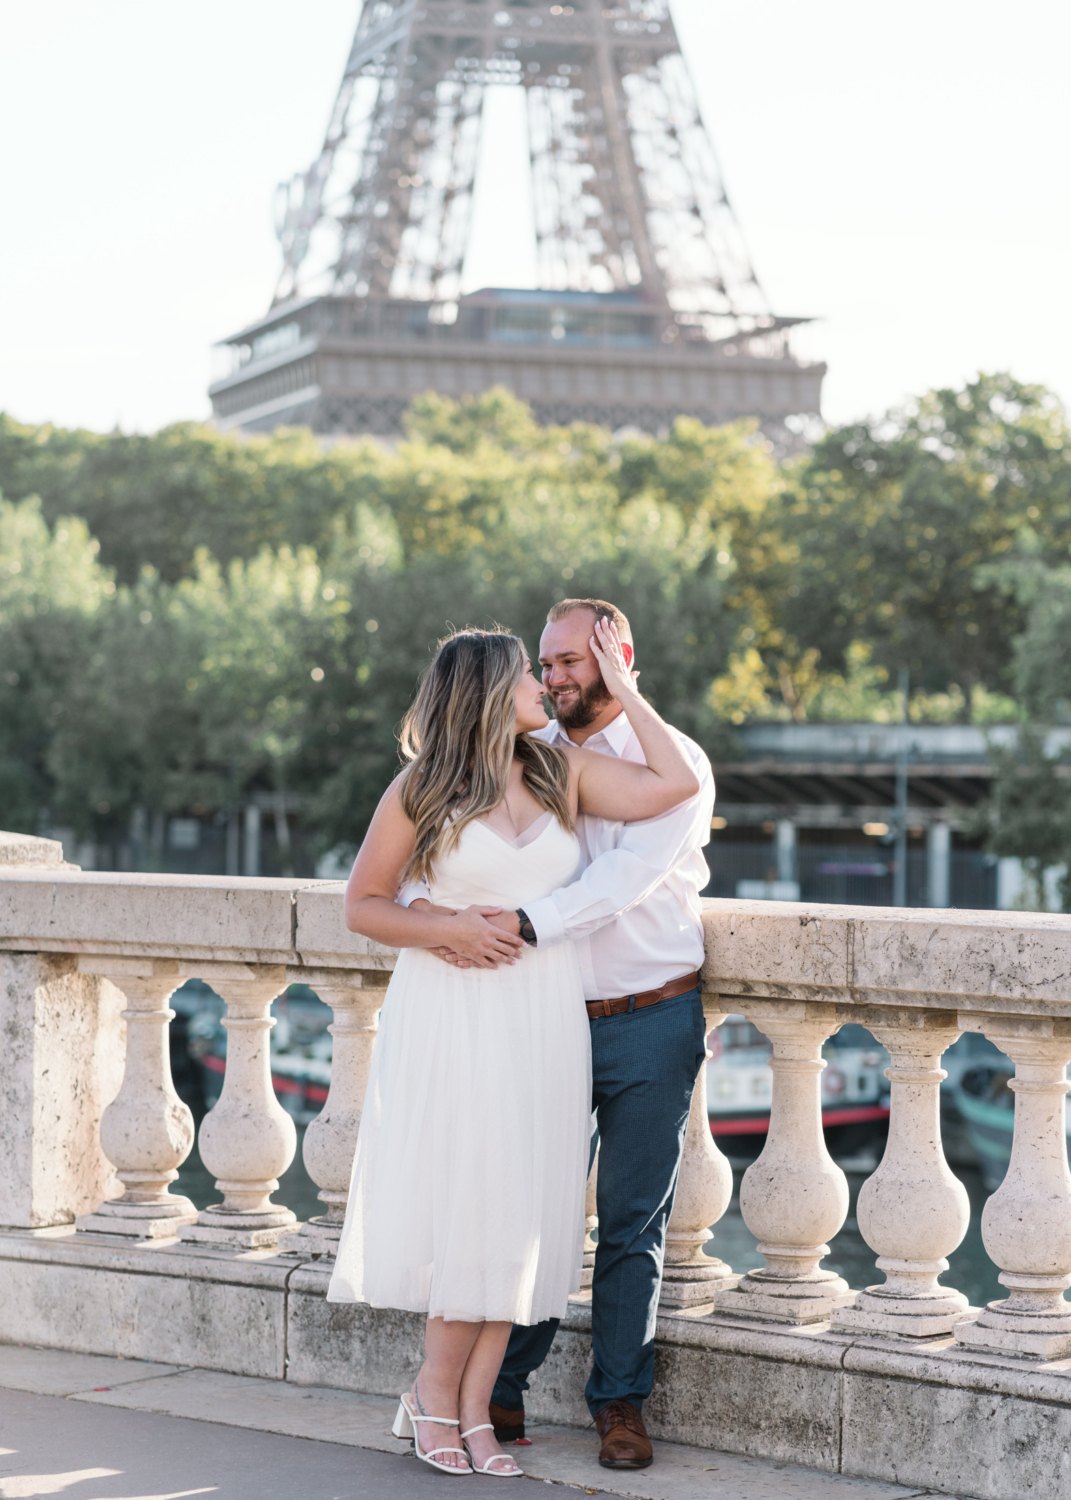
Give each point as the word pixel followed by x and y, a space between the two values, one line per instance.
pixel 528 932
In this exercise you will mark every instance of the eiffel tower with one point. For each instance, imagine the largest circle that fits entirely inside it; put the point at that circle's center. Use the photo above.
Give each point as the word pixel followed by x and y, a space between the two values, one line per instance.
pixel 647 307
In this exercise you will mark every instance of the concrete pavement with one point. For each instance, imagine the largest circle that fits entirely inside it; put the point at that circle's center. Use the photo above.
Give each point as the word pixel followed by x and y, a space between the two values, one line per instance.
pixel 92 1428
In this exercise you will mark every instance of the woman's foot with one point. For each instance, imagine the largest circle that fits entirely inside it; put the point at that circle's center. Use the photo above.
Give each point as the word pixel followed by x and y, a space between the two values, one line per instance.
pixel 437 1402
pixel 483 1445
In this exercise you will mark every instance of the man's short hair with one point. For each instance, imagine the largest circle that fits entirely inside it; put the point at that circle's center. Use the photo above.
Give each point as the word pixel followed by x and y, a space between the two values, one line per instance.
pixel 601 609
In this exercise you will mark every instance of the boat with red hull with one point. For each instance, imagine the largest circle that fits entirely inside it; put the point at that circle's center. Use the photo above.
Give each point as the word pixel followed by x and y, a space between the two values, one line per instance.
pixel 855 1091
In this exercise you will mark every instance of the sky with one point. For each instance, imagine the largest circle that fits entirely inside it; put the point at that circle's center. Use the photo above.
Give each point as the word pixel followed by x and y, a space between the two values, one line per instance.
pixel 901 174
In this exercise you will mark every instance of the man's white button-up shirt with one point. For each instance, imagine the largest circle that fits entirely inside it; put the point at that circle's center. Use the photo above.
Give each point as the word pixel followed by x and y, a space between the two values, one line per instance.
pixel 634 913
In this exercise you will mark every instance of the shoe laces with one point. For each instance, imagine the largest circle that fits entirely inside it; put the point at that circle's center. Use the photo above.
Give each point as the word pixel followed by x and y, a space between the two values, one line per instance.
pixel 621 1414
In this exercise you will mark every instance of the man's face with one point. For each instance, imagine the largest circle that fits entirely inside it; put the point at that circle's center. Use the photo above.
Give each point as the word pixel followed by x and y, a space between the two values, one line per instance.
pixel 571 676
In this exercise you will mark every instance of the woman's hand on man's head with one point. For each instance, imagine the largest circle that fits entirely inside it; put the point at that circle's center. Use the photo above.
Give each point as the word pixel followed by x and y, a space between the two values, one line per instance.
pixel 609 651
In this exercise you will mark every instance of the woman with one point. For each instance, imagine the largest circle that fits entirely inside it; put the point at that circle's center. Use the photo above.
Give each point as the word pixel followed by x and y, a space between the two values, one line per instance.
pixel 467 1196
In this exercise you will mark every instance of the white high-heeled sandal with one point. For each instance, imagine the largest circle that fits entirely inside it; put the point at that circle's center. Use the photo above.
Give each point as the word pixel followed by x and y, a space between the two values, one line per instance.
pixel 495 1458
pixel 405 1427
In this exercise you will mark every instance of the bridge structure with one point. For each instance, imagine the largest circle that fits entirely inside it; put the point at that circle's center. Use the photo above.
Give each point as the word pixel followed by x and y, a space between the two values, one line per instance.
pixel 895 1380
pixel 647 304
pixel 817 811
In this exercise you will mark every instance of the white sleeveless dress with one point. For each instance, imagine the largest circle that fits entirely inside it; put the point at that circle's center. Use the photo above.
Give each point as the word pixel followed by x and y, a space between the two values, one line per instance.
pixel 467 1194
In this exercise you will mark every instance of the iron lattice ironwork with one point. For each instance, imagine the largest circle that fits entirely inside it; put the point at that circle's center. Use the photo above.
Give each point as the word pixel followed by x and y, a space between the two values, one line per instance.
pixel 648 305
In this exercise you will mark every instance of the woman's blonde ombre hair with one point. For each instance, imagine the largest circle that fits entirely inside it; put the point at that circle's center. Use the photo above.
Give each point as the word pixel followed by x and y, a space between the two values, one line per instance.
pixel 459 738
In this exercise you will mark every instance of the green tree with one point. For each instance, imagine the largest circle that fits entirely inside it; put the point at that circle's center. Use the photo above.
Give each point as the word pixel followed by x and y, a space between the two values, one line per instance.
pixel 271 604
pixel 156 499
pixel 196 693
pixel 892 523
pixel 1028 814
pixel 1041 665
pixel 53 591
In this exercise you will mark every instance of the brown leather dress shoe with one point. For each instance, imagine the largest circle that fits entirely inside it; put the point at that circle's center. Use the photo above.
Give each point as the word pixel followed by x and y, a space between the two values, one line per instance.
pixel 508 1425
pixel 625 1444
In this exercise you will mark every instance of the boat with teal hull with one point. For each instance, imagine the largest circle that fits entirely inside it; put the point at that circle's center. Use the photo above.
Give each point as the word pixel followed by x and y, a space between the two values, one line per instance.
pixel 987 1105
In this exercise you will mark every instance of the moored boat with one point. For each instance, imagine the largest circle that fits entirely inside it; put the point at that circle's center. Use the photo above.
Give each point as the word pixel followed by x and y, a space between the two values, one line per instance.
pixel 979 1078
pixel 855 1091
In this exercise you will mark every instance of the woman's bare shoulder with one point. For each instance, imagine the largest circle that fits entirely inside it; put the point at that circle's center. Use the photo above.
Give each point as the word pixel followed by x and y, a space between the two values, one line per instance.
pixel 578 757
pixel 385 847
pixel 390 809
pixel 394 790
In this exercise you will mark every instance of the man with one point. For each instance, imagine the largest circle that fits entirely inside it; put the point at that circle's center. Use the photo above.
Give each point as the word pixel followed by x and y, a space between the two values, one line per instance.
pixel 634 916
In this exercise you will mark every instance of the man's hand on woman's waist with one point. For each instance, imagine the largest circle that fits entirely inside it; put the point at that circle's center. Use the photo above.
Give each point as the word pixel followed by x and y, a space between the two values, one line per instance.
pixel 508 921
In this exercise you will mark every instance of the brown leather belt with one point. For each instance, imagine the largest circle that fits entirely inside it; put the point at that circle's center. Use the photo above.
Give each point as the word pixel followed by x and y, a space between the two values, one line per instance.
pixel 681 986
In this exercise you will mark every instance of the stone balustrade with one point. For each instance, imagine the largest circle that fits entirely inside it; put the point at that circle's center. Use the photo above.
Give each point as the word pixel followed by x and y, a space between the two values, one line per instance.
pixel 901 1380
pixel 100 950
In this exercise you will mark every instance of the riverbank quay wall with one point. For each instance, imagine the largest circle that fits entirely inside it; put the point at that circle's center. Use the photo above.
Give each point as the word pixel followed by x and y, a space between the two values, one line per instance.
pixel 901 1381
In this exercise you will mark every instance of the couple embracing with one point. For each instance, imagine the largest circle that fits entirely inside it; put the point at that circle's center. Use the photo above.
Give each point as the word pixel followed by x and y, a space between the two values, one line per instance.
pixel 542 880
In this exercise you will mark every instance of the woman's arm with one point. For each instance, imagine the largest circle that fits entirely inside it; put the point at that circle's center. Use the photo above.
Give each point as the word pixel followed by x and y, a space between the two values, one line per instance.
pixel 620 790
pixel 372 911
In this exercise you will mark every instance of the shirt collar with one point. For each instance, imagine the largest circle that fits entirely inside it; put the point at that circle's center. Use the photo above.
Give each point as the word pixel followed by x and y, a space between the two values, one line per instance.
pixel 616 733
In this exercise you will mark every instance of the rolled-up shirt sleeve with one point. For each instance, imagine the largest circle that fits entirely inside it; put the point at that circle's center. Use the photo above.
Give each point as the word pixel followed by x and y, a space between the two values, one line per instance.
pixel 623 877
pixel 413 891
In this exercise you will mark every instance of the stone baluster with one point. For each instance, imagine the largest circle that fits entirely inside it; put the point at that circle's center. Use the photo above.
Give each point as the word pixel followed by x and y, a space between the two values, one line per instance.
pixel 331 1139
pixel 591 1222
pixel 1026 1224
pixel 913 1211
pixel 146 1132
pixel 794 1197
pixel 248 1139
pixel 704 1191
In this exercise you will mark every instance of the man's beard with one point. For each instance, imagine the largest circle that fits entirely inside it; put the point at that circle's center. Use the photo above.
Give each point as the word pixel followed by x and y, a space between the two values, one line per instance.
pixel 587 706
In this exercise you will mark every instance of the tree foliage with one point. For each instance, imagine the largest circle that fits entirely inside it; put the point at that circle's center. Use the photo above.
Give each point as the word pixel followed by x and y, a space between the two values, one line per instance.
pixel 190 617
pixel 156 499
pixel 891 526
pixel 1028 815
pixel 261 623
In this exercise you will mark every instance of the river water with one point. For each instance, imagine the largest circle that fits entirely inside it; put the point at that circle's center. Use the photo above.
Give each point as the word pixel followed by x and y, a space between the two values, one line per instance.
pixel 971 1270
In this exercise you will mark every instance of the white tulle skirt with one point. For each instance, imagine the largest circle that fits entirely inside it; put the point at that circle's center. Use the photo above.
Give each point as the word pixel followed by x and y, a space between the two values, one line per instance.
pixel 467 1196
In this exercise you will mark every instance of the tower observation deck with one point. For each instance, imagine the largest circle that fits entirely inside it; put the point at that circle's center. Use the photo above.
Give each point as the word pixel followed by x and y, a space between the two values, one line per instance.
pixel 647 307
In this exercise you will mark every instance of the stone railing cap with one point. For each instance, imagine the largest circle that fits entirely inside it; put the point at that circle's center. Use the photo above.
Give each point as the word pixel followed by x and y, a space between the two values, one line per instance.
pixel 853 957
pixel 21 849
pixel 222 918
pixel 947 958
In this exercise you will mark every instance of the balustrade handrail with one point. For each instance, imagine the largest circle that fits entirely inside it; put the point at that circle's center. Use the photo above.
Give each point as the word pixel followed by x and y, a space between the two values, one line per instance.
pixel 992 961
pixel 1002 962
pixel 192 918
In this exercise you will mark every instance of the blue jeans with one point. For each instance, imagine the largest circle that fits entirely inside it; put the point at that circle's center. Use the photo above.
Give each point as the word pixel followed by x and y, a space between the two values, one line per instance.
pixel 644 1067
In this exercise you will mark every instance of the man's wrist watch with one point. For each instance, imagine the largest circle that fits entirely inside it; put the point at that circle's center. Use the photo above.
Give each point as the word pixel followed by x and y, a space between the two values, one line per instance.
pixel 527 931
